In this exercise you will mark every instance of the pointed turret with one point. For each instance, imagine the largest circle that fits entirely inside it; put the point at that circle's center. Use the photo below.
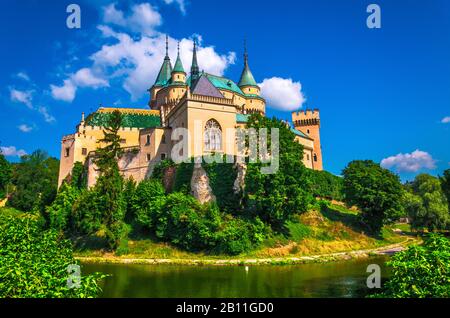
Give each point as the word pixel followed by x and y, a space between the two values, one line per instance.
pixel 166 68
pixel 247 78
pixel 195 71
pixel 178 73
pixel 178 68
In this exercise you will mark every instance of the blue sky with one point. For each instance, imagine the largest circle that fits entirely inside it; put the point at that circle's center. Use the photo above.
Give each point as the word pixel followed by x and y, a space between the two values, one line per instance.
pixel 383 93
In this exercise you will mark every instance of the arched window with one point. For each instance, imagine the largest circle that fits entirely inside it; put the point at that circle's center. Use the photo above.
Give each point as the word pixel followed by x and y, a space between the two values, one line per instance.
pixel 212 136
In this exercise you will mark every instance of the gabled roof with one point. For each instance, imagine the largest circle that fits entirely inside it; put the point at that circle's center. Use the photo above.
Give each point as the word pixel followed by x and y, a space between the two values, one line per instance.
pixel 203 86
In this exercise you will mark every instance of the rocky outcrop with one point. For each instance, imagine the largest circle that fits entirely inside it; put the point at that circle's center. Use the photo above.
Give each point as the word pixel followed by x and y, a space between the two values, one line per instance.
pixel 239 183
pixel 200 187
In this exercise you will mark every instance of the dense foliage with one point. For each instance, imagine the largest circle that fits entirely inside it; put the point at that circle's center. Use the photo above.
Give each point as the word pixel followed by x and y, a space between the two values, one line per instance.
pixel 34 262
pixel 420 271
pixel 5 175
pixel 326 185
pixel 35 181
pixel 445 184
pixel 275 197
pixel 426 204
pixel 377 192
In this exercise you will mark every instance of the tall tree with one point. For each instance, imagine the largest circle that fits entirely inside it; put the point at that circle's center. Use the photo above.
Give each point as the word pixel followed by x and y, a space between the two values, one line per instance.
pixel 5 174
pixel 426 204
pixel 110 183
pixel 275 197
pixel 445 184
pixel 35 180
pixel 376 191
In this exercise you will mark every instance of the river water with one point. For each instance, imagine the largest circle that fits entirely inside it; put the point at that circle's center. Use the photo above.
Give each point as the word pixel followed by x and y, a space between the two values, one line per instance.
pixel 334 279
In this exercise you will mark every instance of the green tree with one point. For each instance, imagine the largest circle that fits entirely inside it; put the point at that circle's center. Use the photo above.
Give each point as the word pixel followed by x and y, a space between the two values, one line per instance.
pixel 421 271
pixel 148 202
pixel 426 204
pixel 445 184
pixel 377 192
pixel 275 197
pixel 34 263
pixel 79 176
pixel 60 211
pixel 5 175
pixel 35 180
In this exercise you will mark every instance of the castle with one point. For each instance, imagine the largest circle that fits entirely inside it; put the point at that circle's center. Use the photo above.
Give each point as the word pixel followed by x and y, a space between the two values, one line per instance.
pixel 179 100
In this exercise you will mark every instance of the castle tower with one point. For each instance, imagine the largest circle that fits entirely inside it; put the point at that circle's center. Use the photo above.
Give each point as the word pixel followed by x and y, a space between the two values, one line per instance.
pixel 178 73
pixel 247 84
pixel 308 122
pixel 163 77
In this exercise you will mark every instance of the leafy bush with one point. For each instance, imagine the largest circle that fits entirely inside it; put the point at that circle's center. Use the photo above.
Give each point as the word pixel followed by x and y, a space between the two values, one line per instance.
pixel 421 271
pixel 183 222
pixel 5 175
pixel 183 177
pixel 237 236
pixel 60 211
pixel 34 263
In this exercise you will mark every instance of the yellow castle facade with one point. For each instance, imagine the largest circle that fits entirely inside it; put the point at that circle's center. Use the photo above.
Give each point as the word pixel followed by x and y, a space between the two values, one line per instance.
pixel 207 105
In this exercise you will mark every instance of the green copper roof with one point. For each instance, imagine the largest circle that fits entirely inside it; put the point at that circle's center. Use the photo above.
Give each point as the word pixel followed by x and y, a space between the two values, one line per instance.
pixel 164 73
pixel 241 118
pixel 224 83
pixel 178 66
pixel 247 78
pixel 299 133
pixel 129 120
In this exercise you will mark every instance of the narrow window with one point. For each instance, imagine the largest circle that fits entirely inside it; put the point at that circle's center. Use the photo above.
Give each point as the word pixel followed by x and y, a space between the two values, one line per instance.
pixel 315 157
pixel 163 156
pixel 84 151
pixel 148 140
pixel 163 139
pixel 123 141
pixel 148 157
pixel 307 157
pixel 67 153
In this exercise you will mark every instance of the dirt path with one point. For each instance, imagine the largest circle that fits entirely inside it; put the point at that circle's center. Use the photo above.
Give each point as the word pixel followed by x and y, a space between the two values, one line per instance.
pixel 384 250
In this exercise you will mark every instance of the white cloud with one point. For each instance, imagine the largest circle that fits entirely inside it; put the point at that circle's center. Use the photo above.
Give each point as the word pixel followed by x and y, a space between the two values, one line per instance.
pixel 24 97
pixel 25 128
pixel 24 76
pixel 47 117
pixel 410 162
pixel 142 19
pixel 82 78
pixel 445 120
pixel 11 151
pixel 181 4
pixel 282 94
pixel 138 60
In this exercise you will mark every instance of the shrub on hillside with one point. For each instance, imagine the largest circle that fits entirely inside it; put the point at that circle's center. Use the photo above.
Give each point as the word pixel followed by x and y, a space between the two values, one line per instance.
pixel 34 263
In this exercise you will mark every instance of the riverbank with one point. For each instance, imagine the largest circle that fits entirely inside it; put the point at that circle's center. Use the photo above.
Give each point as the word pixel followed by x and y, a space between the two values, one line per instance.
pixel 322 258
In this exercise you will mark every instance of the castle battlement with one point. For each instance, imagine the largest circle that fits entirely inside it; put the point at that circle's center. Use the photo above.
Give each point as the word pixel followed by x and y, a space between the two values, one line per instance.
pixel 306 117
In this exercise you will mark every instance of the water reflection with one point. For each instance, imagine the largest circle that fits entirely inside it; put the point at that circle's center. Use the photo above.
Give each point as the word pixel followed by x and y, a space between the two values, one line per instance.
pixel 338 279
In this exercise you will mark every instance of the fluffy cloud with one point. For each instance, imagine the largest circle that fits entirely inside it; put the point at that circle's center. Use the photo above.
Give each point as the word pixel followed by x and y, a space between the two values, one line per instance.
pixel 409 162
pixel 82 78
pixel 283 94
pixel 24 97
pixel 138 61
pixel 445 120
pixel 25 128
pixel 142 19
pixel 134 61
pixel 11 151
pixel 181 4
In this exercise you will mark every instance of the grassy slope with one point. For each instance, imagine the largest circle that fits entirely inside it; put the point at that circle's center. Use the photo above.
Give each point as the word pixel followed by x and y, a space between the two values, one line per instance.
pixel 333 229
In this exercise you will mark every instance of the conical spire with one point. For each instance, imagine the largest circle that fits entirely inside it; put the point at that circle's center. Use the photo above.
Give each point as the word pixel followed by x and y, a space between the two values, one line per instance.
pixel 194 67
pixel 178 65
pixel 166 68
pixel 247 78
